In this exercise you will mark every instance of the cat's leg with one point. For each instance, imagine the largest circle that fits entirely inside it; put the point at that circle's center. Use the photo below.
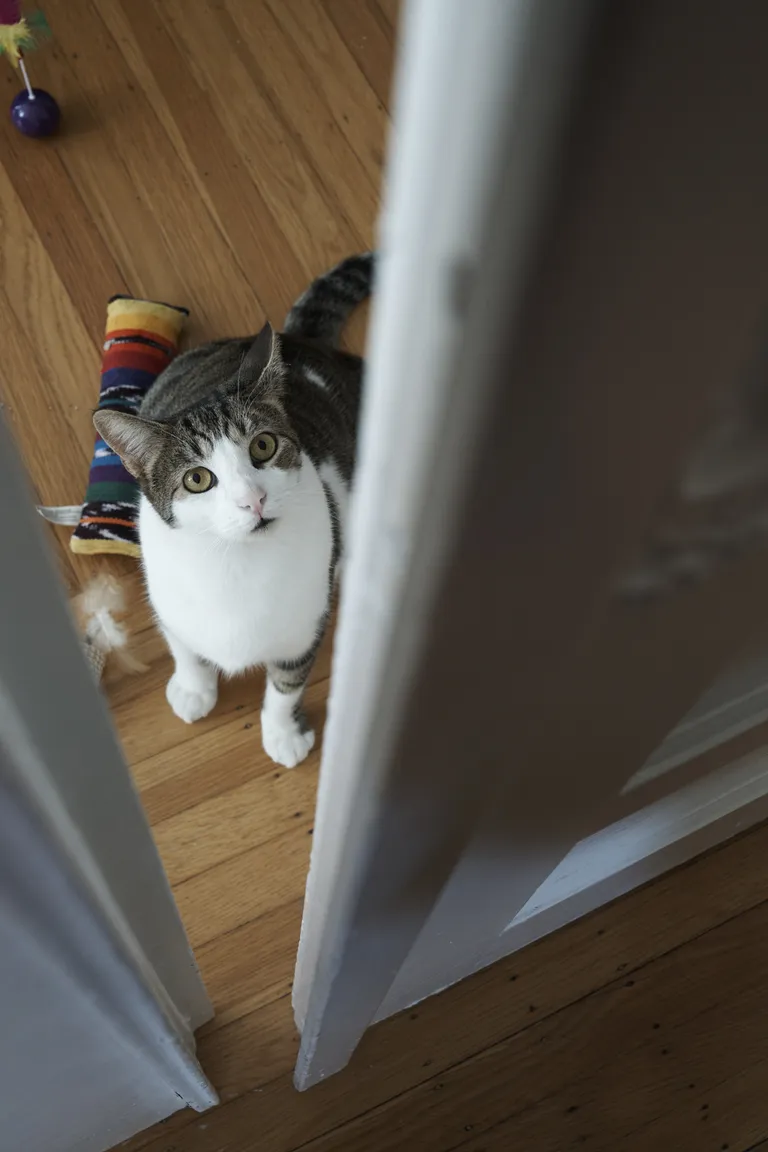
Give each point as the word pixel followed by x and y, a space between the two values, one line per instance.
pixel 193 688
pixel 285 733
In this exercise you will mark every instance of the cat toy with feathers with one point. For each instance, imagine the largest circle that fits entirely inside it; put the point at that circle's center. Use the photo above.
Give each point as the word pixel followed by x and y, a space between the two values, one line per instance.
pixel 34 112
pixel 96 612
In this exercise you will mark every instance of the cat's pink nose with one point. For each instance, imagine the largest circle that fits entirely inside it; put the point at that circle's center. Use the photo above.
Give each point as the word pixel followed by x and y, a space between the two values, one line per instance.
pixel 254 502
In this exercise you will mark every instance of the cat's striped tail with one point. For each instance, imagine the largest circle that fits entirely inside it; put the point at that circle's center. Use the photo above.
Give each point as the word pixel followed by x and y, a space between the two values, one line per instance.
pixel 321 312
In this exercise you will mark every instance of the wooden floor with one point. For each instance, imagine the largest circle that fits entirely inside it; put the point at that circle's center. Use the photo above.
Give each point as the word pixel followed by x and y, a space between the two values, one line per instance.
pixel 218 154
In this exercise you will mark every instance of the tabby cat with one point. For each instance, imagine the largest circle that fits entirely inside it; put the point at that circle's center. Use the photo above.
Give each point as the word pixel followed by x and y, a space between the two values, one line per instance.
pixel 244 451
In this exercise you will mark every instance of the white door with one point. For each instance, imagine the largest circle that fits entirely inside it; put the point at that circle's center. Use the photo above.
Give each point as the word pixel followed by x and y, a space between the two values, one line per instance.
pixel 99 990
pixel 557 535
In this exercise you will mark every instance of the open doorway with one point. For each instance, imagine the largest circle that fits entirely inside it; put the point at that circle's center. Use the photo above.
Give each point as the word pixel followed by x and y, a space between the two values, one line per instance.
pixel 234 831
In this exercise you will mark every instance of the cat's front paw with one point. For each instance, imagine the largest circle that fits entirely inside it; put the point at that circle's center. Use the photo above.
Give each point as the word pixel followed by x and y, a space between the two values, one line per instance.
pixel 190 703
pixel 286 744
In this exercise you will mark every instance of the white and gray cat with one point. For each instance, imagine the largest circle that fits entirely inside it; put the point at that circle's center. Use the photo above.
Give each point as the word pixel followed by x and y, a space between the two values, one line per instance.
pixel 244 451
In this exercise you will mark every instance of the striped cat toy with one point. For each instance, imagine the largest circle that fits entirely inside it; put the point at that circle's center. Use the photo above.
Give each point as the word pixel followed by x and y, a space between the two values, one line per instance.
pixel 142 338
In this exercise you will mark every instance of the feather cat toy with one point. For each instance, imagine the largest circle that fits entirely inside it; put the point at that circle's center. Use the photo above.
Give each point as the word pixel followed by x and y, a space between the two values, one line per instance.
pixel 102 635
pixel 34 112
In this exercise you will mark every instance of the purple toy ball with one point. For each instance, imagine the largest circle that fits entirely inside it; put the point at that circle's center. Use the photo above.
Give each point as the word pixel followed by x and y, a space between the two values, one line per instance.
pixel 36 116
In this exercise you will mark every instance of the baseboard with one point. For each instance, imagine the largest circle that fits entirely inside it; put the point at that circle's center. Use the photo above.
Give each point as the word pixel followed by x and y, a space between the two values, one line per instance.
pixel 622 857
pixel 658 837
pixel 735 703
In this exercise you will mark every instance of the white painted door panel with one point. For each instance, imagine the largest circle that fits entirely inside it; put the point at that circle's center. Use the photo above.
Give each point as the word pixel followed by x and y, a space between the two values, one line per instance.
pixel 100 991
pixel 575 266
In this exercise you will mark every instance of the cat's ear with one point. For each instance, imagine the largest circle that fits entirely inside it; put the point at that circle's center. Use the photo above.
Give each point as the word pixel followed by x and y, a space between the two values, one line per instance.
pixel 263 362
pixel 137 442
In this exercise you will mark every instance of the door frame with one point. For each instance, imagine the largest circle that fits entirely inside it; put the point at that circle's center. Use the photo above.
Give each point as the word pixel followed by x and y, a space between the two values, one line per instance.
pixel 83 890
pixel 481 99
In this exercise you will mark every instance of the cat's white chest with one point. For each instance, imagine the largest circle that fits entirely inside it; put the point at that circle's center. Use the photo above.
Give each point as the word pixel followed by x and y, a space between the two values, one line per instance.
pixel 242 604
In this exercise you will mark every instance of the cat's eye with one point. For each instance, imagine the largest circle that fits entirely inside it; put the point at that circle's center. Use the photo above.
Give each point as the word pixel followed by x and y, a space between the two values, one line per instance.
pixel 262 447
pixel 198 480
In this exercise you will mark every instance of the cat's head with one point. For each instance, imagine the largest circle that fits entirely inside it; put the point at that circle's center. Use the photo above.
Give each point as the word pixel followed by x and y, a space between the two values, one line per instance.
pixel 227 468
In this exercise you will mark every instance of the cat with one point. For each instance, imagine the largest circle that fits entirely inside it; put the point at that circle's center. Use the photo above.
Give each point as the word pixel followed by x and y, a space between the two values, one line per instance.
pixel 244 451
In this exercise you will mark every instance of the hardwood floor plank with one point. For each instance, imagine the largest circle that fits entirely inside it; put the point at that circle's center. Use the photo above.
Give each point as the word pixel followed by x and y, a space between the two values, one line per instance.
pixel 603 950
pixel 721 1119
pixel 389 11
pixel 597 1064
pixel 731 1117
pixel 42 308
pixel 35 416
pixel 86 267
pixel 370 39
pixel 173 249
pixel 148 728
pixel 347 99
pixel 202 767
pixel 233 893
pixel 262 809
pixel 231 73
pixel 51 364
pixel 234 1055
pixel 227 756
pixel 348 188
pixel 240 1054
pixel 215 167
pixel 100 174
pixel 252 965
